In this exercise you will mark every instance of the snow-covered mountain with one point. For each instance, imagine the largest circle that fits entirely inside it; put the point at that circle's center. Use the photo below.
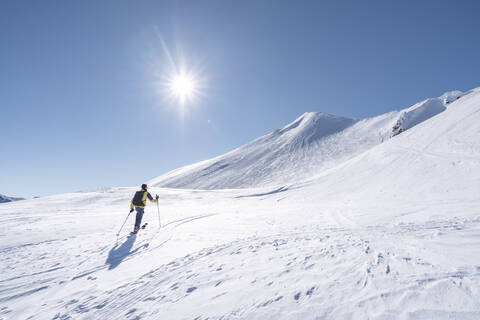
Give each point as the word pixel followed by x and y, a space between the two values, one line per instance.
pixel 391 232
pixel 314 142
pixel 4 199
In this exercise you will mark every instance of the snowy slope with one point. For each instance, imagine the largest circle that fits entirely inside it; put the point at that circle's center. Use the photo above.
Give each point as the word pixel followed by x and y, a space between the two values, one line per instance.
pixel 312 143
pixel 439 158
pixel 391 233
pixel 8 199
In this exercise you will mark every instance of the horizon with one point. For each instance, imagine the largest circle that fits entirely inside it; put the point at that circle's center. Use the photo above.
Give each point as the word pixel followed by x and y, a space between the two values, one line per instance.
pixel 83 90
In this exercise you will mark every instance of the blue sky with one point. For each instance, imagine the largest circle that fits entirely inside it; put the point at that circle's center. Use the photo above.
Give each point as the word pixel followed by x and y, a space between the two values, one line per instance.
pixel 80 101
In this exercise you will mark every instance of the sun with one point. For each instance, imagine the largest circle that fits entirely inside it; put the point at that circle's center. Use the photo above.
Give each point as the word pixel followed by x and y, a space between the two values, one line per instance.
pixel 183 87
pixel 177 82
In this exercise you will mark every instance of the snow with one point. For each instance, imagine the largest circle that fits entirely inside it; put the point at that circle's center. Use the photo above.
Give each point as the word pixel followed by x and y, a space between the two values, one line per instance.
pixel 451 96
pixel 418 113
pixel 383 227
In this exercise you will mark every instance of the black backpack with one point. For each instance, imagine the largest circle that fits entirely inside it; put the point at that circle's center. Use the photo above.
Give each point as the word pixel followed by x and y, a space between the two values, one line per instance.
pixel 137 198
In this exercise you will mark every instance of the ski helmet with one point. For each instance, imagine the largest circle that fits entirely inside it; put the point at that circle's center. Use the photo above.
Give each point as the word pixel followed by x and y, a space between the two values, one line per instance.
pixel 144 186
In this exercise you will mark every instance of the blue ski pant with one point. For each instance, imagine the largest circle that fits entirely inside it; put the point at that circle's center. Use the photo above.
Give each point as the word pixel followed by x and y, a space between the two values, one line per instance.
pixel 138 219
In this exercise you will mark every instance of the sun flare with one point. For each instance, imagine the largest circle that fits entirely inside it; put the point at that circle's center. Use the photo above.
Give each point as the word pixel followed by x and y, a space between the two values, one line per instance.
pixel 177 82
pixel 182 86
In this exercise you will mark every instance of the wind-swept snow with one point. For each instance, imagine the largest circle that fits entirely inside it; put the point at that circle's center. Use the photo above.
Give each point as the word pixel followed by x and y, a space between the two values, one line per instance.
pixel 390 233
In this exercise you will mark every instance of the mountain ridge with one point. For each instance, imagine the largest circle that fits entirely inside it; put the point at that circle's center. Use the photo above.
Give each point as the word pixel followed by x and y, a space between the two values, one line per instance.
pixel 4 198
pixel 313 142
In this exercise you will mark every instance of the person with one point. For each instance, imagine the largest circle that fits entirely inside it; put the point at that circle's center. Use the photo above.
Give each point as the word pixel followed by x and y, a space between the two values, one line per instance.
pixel 139 202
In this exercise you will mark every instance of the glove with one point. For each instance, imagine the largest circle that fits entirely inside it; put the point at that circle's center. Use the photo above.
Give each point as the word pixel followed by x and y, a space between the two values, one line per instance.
pixel 157 197
pixel 131 210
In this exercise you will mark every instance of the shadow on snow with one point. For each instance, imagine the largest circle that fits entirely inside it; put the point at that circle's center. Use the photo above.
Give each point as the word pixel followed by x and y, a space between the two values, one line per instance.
pixel 281 189
pixel 118 253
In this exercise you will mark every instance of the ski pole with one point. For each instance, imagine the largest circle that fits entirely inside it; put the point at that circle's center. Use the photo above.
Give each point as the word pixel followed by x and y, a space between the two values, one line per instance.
pixel 123 224
pixel 158 210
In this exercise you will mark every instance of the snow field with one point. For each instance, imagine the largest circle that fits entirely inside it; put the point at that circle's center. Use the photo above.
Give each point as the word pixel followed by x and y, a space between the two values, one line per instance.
pixel 242 263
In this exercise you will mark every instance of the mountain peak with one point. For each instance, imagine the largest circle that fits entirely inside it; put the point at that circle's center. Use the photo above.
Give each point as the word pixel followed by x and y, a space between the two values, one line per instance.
pixel 317 115
pixel 317 124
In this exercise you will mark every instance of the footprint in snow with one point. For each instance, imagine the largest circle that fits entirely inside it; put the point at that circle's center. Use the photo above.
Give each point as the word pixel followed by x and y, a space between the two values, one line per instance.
pixel 297 296
pixel 310 291
pixel 131 311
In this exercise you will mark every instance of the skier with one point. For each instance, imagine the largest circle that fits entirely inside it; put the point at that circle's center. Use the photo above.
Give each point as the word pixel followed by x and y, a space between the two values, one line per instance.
pixel 139 202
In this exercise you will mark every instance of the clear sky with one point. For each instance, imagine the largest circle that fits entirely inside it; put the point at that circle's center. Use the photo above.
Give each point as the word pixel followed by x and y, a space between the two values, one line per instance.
pixel 82 104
